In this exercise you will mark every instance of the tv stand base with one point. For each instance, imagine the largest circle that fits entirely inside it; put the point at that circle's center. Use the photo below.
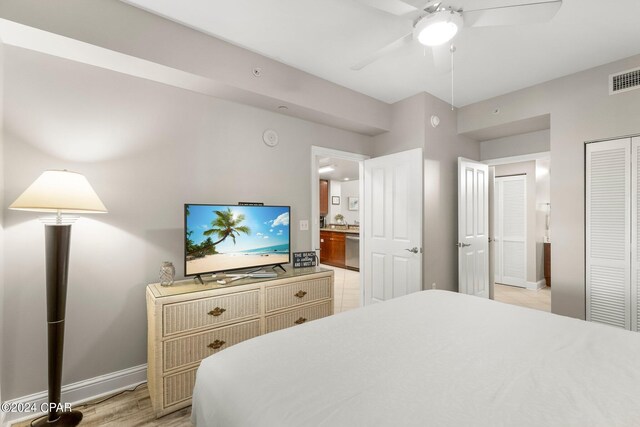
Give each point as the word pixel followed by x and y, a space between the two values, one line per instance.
pixel 280 266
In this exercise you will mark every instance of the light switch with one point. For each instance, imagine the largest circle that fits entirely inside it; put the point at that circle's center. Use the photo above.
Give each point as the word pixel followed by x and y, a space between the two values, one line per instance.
pixel 304 225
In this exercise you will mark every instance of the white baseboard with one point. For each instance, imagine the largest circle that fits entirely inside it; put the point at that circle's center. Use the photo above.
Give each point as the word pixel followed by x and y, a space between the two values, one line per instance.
pixel 534 286
pixel 81 391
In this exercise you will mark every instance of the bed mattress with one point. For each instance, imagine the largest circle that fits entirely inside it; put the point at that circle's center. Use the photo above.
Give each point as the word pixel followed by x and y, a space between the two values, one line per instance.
pixel 431 358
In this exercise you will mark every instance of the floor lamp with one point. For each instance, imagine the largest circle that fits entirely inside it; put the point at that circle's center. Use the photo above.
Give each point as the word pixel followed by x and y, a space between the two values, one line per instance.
pixel 59 192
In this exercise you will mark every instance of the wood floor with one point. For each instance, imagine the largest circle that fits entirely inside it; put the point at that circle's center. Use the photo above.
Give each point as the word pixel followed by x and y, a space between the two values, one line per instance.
pixel 130 409
pixel 133 409
pixel 539 300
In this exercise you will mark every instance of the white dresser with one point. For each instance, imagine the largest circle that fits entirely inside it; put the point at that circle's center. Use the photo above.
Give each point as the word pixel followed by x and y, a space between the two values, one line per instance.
pixel 188 322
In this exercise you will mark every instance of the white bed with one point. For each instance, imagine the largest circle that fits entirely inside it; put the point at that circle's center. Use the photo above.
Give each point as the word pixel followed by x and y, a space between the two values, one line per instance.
pixel 433 358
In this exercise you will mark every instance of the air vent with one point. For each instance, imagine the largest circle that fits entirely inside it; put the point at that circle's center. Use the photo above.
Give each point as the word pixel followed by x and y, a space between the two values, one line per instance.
pixel 625 81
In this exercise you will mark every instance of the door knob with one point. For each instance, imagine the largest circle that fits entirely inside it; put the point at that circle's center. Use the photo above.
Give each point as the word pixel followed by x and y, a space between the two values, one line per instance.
pixel 463 245
pixel 413 250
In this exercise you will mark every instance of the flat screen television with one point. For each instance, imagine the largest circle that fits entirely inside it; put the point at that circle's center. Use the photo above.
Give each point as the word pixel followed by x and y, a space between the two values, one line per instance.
pixel 228 237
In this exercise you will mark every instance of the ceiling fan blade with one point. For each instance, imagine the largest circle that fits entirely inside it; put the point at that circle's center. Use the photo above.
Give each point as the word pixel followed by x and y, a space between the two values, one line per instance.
pixel 442 58
pixel 516 14
pixel 394 7
pixel 393 47
pixel 422 4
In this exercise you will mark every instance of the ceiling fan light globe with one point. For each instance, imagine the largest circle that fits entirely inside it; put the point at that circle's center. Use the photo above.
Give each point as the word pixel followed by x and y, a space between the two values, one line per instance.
pixel 439 28
pixel 437 34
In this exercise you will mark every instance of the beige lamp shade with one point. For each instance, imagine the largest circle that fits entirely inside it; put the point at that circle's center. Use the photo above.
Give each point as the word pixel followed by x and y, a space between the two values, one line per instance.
pixel 60 191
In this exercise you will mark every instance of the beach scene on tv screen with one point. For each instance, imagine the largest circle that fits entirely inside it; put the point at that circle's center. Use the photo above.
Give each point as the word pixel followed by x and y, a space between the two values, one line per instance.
pixel 221 238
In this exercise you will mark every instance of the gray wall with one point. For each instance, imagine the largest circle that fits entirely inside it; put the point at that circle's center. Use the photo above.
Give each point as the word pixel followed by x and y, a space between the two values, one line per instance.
pixel 146 148
pixel 528 169
pixel 443 146
pixel 581 110
pixel 334 190
pixel 344 190
pixel 114 25
pixel 411 128
pixel 407 127
pixel 516 145
pixel 349 189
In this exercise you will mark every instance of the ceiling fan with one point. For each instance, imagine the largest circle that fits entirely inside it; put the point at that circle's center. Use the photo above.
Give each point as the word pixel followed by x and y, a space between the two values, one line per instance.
pixel 436 22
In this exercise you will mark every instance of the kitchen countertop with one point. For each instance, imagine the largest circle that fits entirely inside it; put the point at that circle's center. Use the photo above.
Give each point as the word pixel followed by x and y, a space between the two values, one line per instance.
pixel 342 230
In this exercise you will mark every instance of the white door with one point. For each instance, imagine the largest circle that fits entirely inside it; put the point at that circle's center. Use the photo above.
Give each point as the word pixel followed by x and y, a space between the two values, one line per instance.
pixel 511 230
pixel 392 256
pixel 635 230
pixel 608 234
pixel 473 228
pixel 492 233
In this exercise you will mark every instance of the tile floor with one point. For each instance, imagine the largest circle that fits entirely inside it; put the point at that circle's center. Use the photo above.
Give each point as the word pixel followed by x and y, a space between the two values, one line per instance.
pixel 539 300
pixel 346 290
pixel 347 293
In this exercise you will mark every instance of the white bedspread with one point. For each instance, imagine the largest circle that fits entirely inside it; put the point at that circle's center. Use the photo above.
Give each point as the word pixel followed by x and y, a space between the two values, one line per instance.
pixel 433 358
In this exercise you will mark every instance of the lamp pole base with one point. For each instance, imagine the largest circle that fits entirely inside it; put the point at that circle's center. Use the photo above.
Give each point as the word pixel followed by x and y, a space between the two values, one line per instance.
pixel 71 418
pixel 57 239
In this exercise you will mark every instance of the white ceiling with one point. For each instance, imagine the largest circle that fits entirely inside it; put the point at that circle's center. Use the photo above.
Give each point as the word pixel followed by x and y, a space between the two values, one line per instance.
pixel 343 170
pixel 326 37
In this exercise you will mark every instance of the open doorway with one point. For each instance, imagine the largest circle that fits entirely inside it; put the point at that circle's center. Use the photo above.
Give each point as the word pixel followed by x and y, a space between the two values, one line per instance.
pixel 339 190
pixel 520 215
pixel 336 194
pixel 389 209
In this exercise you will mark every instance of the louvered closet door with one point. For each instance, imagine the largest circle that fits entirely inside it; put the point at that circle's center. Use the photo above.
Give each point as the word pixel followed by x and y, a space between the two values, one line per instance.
pixel 608 179
pixel 635 236
pixel 511 230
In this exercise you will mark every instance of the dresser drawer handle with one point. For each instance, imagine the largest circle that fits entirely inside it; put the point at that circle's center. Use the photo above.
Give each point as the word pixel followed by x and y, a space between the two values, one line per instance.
pixel 300 294
pixel 300 321
pixel 217 311
pixel 216 344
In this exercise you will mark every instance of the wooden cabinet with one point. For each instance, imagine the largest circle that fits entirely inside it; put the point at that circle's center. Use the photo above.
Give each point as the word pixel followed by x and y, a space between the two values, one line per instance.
pixel 324 197
pixel 332 248
pixel 188 322
pixel 336 251
pixel 325 243
pixel 547 263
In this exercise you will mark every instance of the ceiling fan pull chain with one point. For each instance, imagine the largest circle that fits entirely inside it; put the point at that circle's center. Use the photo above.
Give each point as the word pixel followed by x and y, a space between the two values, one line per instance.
pixel 452 49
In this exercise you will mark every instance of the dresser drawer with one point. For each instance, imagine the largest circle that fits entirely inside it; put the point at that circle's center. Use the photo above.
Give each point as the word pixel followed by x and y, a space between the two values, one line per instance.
pixel 178 387
pixel 192 315
pixel 298 316
pixel 184 351
pixel 291 295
